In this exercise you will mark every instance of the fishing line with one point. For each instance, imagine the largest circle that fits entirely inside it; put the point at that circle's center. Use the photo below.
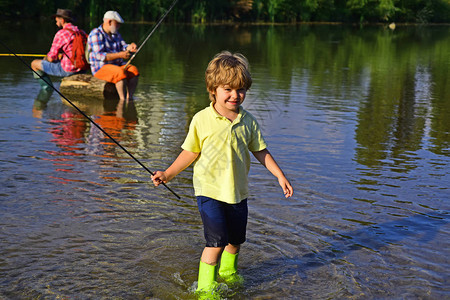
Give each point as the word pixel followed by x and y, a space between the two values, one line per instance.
pixel 150 34
pixel 90 120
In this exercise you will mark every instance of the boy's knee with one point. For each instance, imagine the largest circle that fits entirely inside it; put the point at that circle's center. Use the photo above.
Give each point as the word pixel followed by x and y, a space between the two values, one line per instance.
pixel 233 249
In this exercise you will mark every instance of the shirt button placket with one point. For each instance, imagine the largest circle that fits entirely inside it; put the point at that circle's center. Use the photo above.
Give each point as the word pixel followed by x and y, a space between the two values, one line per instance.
pixel 232 134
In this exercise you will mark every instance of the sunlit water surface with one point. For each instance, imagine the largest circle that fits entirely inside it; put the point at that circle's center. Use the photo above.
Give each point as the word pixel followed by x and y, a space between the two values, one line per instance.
pixel 357 118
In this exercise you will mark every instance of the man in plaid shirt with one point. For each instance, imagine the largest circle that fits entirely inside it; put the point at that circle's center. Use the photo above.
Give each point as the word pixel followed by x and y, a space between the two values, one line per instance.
pixel 57 62
pixel 107 54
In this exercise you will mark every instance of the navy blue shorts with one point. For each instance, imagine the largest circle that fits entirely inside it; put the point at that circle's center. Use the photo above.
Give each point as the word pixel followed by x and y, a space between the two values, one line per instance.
pixel 223 223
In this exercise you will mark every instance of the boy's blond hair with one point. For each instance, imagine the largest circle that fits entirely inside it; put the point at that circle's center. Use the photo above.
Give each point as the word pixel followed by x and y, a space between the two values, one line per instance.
pixel 227 69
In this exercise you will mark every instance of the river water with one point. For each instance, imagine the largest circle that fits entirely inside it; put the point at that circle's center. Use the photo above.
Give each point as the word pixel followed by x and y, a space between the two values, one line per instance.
pixel 358 118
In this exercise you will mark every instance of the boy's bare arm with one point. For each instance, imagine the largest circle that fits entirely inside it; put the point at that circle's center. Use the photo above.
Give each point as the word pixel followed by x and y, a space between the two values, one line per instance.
pixel 267 160
pixel 182 162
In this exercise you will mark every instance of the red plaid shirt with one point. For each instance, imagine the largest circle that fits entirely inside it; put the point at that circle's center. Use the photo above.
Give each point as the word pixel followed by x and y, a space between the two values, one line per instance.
pixel 62 43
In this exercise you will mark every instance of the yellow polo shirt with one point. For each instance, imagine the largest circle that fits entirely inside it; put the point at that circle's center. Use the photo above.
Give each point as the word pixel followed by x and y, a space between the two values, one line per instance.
pixel 221 170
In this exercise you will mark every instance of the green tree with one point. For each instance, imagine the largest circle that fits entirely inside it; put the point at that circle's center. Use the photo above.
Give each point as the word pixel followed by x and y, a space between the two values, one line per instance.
pixel 201 11
pixel 386 9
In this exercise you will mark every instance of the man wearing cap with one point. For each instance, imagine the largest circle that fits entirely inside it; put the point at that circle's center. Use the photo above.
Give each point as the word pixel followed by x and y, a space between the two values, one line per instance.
pixel 107 52
pixel 57 62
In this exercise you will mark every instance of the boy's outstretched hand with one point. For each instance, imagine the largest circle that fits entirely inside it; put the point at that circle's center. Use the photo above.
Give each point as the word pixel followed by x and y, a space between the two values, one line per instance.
pixel 286 186
pixel 159 177
pixel 182 162
pixel 266 159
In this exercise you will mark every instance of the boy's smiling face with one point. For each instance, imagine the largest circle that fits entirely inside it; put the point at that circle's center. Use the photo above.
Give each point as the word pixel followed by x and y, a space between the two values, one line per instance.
pixel 228 99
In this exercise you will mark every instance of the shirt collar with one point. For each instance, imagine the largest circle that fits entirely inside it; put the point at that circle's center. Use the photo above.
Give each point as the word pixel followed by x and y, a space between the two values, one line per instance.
pixel 68 26
pixel 217 115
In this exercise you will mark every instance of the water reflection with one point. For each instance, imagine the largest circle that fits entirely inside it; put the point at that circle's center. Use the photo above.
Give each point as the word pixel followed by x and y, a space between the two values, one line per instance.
pixel 391 122
pixel 357 117
pixel 75 136
pixel 374 247
pixel 117 124
pixel 40 103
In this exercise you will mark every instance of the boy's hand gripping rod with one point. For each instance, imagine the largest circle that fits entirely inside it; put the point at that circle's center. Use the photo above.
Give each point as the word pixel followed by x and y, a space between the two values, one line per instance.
pixel 150 34
pixel 90 120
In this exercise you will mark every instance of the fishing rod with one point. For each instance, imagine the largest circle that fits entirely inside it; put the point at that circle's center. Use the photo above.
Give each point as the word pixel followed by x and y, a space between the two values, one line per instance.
pixel 150 34
pixel 28 55
pixel 90 120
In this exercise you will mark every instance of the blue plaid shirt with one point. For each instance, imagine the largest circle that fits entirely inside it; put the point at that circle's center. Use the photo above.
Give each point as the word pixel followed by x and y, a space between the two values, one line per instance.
pixel 100 43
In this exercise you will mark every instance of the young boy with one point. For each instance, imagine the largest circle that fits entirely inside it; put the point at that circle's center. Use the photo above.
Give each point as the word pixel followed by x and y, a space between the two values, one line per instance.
pixel 219 140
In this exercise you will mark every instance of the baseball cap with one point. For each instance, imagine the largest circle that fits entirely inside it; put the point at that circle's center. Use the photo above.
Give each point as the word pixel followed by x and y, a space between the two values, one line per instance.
pixel 113 15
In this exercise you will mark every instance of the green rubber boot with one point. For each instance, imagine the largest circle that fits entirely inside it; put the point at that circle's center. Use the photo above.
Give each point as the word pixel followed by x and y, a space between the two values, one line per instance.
pixel 207 275
pixel 228 269
pixel 44 81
